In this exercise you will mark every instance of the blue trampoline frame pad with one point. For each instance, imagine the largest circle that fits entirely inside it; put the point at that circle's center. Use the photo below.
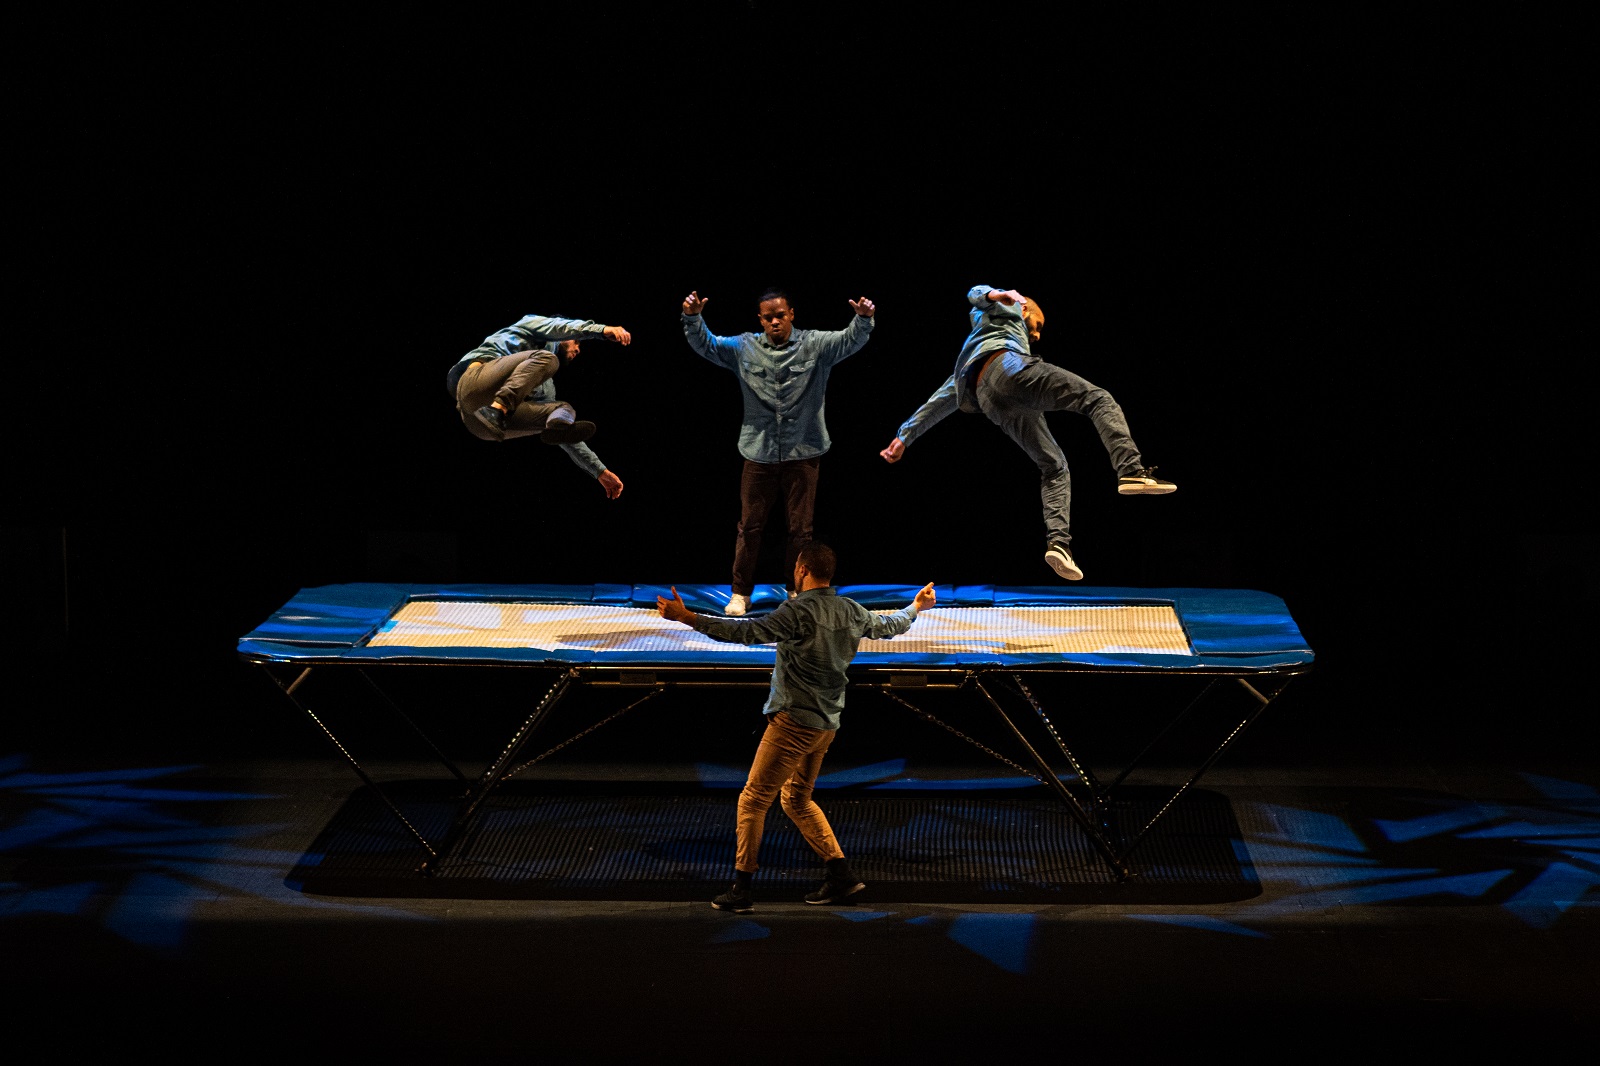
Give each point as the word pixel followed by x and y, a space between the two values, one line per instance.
pixel 1233 631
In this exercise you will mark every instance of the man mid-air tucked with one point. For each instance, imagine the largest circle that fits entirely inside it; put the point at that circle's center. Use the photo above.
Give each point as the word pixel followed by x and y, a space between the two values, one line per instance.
pixel 817 634
pixel 998 374
pixel 783 375
pixel 503 388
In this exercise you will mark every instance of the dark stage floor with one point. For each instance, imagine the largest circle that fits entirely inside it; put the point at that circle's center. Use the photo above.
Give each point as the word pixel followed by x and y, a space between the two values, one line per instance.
pixel 1386 910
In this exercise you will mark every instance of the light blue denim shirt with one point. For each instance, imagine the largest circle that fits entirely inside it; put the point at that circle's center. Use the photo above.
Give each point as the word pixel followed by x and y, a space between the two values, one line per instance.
pixel 817 634
pixel 784 386
pixel 533 333
pixel 995 327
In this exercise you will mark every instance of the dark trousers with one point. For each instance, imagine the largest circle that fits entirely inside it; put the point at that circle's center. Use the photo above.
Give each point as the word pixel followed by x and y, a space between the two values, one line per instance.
pixel 760 487
pixel 509 379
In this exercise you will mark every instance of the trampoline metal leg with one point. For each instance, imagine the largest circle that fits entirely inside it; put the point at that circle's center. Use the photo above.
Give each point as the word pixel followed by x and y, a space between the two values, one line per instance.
pixel 496 770
pixel 415 728
pixel 1086 823
pixel 1262 702
pixel 289 690
pixel 1083 772
pixel 1103 794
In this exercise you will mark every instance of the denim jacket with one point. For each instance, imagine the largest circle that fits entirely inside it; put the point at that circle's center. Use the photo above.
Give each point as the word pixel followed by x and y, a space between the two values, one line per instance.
pixel 995 327
pixel 784 386
pixel 817 634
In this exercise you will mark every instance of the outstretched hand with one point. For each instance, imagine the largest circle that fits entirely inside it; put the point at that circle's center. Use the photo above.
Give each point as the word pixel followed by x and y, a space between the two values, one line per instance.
pixel 863 307
pixel 925 597
pixel 618 334
pixel 894 452
pixel 693 304
pixel 674 609
pixel 611 483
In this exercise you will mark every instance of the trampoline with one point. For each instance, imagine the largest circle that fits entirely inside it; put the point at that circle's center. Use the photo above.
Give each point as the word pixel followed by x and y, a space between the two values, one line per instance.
pixel 984 640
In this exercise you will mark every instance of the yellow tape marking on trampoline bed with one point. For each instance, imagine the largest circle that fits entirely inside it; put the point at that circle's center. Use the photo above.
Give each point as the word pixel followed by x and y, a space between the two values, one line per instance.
pixel 1143 629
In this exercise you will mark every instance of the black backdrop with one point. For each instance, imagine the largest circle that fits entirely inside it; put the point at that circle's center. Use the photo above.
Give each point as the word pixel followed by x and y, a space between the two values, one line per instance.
pixel 1327 265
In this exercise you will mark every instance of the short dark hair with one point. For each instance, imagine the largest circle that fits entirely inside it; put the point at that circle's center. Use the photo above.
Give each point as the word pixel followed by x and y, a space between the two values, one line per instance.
pixel 773 294
pixel 819 559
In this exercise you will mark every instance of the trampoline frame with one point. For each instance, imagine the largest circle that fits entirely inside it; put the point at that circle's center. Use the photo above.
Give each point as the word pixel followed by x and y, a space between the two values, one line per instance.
pixel 1089 804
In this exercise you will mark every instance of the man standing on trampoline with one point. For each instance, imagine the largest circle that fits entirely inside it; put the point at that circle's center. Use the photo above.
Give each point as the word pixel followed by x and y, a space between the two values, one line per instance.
pixel 998 374
pixel 817 633
pixel 503 388
pixel 783 373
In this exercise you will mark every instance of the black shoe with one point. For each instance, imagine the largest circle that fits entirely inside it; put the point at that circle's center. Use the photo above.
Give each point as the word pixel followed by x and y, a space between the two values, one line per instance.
pixel 734 900
pixel 567 432
pixel 1060 560
pixel 839 883
pixel 1143 482
pixel 493 419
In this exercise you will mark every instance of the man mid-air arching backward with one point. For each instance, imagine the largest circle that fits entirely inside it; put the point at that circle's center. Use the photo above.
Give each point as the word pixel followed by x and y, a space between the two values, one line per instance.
pixel 998 374
pixel 503 388
pixel 783 375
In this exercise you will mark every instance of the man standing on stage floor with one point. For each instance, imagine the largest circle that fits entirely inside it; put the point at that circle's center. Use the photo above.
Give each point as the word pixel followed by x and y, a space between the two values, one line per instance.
pixel 998 374
pixel 503 388
pixel 783 373
pixel 817 633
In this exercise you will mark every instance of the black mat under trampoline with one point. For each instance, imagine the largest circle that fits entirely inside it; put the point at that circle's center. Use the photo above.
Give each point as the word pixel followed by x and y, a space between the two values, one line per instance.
pixel 675 842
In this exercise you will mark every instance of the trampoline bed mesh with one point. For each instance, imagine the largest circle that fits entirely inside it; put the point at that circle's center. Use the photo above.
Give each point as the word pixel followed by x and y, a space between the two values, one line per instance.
pixel 1150 629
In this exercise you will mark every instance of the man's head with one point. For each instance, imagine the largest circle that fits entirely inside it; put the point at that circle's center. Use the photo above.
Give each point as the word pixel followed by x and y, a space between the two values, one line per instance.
pixel 567 350
pixel 777 317
pixel 1033 318
pixel 816 562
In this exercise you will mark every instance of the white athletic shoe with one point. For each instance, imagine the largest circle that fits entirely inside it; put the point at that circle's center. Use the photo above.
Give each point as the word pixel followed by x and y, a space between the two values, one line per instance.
pixel 737 605
pixel 1144 483
pixel 1060 560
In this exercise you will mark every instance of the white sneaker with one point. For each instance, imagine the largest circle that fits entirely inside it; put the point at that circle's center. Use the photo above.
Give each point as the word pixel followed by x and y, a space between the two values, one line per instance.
pixel 1060 560
pixel 737 605
pixel 1143 482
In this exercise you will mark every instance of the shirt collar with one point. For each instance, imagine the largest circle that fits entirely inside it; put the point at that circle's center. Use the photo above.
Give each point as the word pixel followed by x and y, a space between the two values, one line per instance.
pixel 794 336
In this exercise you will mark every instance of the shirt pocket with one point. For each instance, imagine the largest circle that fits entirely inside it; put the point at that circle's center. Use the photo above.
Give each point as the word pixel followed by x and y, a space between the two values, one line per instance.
pixel 752 370
pixel 798 370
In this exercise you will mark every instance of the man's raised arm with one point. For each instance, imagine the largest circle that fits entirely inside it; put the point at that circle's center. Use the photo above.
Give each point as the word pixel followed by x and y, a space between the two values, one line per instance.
pixel 884 626
pixel 842 344
pixel 724 351
pixel 1001 301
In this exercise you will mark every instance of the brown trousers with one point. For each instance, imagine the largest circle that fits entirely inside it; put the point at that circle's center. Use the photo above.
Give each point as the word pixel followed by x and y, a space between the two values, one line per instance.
pixel 508 379
pixel 787 762
pixel 760 487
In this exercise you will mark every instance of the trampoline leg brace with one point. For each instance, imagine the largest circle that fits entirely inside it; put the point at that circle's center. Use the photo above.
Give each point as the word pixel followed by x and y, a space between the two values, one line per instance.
pixel 289 690
pixel 1093 816
pixel 497 769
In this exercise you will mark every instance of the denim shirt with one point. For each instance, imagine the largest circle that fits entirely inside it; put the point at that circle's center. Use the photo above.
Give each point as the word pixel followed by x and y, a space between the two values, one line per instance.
pixel 784 385
pixel 995 327
pixel 817 634
pixel 532 333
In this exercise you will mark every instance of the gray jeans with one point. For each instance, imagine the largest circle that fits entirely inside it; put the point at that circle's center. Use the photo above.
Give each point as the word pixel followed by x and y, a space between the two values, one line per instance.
pixel 508 379
pixel 1015 397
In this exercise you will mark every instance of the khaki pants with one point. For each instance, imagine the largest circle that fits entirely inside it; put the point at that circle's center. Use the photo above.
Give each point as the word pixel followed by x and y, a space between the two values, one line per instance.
pixel 787 762
pixel 508 379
